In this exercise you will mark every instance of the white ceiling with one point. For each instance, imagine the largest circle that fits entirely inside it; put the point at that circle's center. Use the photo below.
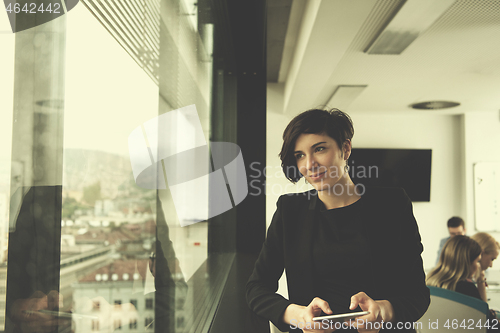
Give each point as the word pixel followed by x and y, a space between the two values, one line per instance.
pixel 456 59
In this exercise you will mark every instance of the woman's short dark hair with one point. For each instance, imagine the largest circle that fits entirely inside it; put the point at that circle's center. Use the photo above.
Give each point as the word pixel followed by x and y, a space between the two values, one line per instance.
pixel 334 123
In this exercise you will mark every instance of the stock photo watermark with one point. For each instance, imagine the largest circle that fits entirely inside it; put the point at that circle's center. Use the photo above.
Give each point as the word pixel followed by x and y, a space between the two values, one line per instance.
pixel 268 172
pixel 170 151
pixel 326 324
pixel 27 14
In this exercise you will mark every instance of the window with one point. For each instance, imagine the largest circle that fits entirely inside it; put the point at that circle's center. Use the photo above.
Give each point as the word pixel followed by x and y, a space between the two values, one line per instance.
pixel 149 303
pixel 95 324
pixel 180 321
pixel 78 124
pixel 149 323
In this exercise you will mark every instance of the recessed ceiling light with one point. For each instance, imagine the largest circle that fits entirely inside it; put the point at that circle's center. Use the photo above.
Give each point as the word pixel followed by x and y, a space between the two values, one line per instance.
pixel 434 105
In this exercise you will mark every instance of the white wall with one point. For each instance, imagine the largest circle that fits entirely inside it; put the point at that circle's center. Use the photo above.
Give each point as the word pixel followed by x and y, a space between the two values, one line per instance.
pixel 276 183
pixel 482 144
pixel 441 133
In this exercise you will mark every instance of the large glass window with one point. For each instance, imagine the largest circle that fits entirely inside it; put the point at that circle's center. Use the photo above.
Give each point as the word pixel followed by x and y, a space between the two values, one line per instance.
pixel 105 111
pixel 7 40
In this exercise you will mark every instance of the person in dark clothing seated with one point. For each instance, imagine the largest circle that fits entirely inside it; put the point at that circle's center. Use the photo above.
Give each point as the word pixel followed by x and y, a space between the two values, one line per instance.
pixel 456 227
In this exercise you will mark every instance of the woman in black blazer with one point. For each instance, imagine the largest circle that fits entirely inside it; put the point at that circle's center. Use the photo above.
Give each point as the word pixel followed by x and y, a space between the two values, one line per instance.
pixel 344 247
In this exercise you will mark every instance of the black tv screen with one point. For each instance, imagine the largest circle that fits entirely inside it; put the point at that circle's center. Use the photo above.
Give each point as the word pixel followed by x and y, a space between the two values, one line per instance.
pixel 406 168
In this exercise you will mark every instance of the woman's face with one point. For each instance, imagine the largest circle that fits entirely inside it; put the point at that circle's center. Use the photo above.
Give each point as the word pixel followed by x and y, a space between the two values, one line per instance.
pixel 476 264
pixel 487 260
pixel 320 160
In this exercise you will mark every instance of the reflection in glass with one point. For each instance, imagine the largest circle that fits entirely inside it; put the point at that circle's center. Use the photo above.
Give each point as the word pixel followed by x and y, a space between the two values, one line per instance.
pixel 87 243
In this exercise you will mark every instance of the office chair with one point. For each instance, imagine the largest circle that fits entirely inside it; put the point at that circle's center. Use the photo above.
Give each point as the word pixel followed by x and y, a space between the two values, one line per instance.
pixel 454 312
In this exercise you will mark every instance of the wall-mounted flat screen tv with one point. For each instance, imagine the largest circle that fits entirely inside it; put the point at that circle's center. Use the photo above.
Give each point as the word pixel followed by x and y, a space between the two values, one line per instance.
pixel 406 168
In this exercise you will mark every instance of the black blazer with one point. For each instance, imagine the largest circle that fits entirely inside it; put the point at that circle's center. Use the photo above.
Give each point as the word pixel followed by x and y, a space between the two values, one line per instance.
pixel 395 253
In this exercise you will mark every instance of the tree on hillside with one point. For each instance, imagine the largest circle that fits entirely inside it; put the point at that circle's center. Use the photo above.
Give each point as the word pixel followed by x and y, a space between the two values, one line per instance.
pixel 69 206
pixel 92 193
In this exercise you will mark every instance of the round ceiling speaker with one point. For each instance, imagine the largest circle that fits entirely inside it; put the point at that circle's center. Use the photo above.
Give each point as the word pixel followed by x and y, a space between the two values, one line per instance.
pixel 434 105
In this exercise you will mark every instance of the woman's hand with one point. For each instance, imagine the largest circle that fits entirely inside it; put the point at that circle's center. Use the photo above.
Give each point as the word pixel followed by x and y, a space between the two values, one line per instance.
pixel 481 277
pixel 481 285
pixel 301 317
pixel 28 317
pixel 379 311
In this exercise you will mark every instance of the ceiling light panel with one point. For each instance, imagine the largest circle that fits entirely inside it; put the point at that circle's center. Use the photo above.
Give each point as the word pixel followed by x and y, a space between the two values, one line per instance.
pixel 412 18
pixel 344 95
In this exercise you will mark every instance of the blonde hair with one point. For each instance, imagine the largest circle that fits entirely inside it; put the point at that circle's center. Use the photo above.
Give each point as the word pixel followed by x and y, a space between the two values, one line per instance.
pixel 455 262
pixel 489 246
pixel 487 242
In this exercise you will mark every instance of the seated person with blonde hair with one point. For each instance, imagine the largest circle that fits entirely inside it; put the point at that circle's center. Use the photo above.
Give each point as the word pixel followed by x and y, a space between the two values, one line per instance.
pixel 457 264
pixel 490 249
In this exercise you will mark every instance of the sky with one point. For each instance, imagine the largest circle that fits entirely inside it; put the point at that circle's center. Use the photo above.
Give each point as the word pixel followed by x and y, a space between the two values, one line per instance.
pixel 107 94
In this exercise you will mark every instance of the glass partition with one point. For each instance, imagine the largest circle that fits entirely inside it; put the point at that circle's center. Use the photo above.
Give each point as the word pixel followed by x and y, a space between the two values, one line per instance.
pixel 98 229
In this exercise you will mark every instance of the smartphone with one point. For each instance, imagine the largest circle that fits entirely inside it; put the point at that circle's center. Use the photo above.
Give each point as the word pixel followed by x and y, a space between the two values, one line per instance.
pixel 342 316
pixel 62 314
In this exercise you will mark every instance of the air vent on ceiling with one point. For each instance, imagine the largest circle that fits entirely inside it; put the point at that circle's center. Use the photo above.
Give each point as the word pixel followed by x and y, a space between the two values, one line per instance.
pixel 434 105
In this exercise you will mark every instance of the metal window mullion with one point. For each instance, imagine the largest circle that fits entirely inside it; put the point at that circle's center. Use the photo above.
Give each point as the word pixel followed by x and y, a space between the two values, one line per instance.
pixel 149 42
pixel 119 23
pixel 137 9
pixel 139 14
pixel 149 37
pixel 104 8
pixel 132 8
pixel 154 11
pixel 124 22
pixel 152 18
pixel 137 17
pixel 99 12
pixel 153 30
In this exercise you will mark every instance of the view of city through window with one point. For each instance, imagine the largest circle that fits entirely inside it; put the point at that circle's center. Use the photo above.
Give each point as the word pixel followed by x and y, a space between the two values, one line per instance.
pixel 72 91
